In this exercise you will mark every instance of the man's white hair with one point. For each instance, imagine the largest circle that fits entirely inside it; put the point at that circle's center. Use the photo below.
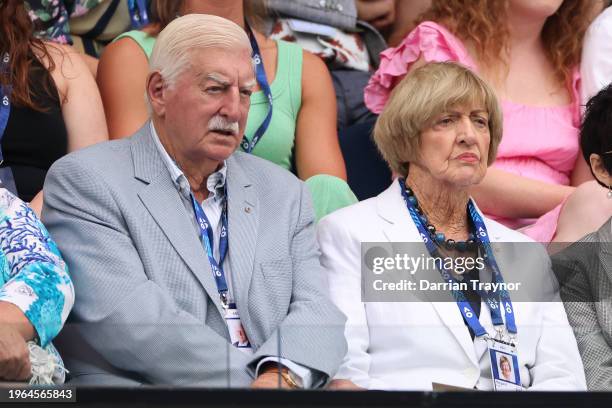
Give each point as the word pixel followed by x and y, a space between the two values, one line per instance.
pixel 189 33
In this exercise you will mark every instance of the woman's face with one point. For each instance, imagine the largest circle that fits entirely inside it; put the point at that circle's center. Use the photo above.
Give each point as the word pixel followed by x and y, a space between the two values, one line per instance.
pixel 505 369
pixel 454 150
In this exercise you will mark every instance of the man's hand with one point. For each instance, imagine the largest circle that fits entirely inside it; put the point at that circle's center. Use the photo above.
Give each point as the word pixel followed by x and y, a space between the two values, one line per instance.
pixel 347 385
pixel 14 355
pixel 379 13
pixel 270 377
pixel 269 381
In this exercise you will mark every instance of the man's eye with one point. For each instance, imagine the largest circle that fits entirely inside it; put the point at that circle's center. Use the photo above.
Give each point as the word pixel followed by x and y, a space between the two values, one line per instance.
pixel 214 89
pixel 246 92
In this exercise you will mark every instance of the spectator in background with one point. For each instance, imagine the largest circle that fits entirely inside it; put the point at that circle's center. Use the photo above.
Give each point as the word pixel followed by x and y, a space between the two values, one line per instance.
pixel 348 36
pixel 591 204
pixel 439 133
pixel 596 66
pixel 36 295
pixel 50 104
pixel 584 269
pixel 333 30
pixel 530 52
pixel 300 135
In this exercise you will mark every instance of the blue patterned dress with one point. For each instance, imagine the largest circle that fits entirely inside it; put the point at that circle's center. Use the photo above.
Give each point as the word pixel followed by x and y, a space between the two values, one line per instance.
pixel 33 275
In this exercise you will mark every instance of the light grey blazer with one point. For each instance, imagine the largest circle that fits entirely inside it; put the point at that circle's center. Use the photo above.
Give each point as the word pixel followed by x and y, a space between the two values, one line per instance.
pixel 147 308
pixel 585 272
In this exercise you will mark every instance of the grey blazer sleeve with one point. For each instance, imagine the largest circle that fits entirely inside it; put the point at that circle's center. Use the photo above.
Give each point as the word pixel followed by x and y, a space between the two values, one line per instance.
pixel 589 307
pixel 125 317
pixel 312 333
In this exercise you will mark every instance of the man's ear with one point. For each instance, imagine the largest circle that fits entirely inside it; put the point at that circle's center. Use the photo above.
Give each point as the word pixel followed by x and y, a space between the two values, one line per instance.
pixel 155 91
pixel 599 170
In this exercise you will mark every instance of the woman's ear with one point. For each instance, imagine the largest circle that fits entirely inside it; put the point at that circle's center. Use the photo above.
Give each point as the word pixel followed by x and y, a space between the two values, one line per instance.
pixel 600 172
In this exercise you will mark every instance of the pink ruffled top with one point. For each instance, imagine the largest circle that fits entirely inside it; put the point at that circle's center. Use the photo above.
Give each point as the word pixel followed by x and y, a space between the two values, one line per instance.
pixel 538 142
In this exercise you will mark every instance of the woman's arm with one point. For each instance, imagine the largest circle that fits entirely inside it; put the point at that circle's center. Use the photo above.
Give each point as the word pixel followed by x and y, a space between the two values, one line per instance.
pixel 513 196
pixel 81 104
pixel 15 331
pixel 317 148
pixel 122 73
pixel 39 285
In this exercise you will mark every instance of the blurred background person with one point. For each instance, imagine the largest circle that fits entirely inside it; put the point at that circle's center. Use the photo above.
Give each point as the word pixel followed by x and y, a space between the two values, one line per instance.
pixel 300 134
pixel 596 64
pixel 591 205
pixel 50 104
pixel 439 132
pixel 584 269
pixel 36 295
pixel 530 53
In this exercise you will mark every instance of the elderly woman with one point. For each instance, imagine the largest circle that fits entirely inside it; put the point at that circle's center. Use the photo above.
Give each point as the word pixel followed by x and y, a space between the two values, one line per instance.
pixel 36 295
pixel 440 130
pixel 584 269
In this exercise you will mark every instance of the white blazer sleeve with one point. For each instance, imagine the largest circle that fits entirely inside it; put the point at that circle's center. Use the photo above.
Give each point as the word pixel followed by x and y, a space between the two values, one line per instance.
pixel 341 258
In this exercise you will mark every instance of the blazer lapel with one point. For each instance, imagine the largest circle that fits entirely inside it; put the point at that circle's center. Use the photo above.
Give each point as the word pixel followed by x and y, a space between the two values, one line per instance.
pixel 243 216
pixel 164 203
pixel 398 227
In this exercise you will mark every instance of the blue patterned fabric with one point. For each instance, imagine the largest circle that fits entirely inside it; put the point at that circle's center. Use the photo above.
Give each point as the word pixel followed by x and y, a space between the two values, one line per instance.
pixel 33 275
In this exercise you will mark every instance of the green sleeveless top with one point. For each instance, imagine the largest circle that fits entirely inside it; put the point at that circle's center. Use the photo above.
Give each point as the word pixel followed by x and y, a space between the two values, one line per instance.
pixel 277 143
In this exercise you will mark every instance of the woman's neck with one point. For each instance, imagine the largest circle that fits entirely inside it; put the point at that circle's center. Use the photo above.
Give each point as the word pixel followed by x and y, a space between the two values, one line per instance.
pixel 525 32
pixel 444 205
pixel 232 10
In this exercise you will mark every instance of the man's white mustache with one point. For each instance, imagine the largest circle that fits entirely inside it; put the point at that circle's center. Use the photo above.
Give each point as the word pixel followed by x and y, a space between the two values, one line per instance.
pixel 219 123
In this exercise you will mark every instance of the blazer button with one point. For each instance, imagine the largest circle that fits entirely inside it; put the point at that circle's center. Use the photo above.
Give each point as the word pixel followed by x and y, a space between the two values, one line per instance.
pixel 247 210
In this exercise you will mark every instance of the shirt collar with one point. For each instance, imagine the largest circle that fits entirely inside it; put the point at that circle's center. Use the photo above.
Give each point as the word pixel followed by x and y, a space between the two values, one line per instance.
pixel 215 182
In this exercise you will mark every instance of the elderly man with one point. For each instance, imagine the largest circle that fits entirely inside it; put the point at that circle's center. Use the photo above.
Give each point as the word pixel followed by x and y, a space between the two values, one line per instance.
pixel 193 265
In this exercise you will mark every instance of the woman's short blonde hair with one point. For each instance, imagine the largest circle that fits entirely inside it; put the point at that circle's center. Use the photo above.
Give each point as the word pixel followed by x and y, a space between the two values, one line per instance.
pixel 419 98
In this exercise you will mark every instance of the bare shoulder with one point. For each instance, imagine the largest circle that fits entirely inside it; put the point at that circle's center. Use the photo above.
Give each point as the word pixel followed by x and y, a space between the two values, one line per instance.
pixel 316 79
pixel 313 65
pixel 117 55
pixel 125 47
pixel 68 65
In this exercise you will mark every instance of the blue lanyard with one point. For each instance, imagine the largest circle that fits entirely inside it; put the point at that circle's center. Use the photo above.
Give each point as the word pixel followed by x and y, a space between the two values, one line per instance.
pixel 490 298
pixel 207 237
pixel 5 103
pixel 262 80
pixel 138 13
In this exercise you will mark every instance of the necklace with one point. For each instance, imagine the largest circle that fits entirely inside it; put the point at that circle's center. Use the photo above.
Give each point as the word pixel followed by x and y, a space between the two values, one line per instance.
pixel 438 236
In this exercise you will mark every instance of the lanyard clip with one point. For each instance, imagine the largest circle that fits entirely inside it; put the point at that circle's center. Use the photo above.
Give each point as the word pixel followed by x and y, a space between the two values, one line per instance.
pixel 500 333
pixel 224 300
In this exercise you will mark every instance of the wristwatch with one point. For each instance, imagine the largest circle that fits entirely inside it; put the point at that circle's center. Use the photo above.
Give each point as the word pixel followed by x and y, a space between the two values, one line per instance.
pixel 293 381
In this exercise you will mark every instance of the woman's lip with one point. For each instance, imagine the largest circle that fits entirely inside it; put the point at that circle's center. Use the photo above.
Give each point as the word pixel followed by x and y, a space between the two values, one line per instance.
pixel 468 157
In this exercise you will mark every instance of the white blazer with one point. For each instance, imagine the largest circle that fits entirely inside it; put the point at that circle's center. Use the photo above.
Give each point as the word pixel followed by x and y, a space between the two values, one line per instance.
pixel 410 345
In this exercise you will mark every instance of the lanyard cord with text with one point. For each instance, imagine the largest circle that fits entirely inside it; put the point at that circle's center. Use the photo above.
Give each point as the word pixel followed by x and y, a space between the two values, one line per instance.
pixel 5 103
pixel 465 308
pixel 207 237
pixel 138 13
pixel 262 80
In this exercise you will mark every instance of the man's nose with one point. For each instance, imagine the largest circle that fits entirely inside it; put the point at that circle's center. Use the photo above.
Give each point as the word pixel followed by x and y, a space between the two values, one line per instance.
pixel 231 105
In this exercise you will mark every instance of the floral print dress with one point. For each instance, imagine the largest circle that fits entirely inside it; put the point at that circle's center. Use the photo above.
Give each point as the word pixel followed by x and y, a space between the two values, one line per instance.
pixel 33 275
pixel 51 17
